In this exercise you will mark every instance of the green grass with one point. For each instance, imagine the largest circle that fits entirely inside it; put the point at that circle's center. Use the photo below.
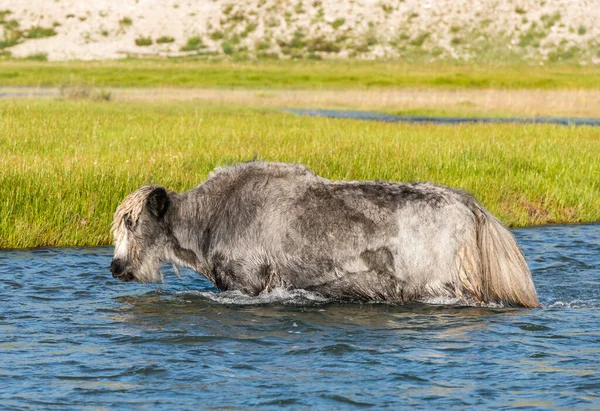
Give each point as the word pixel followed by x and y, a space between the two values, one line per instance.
pixel 295 74
pixel 66 165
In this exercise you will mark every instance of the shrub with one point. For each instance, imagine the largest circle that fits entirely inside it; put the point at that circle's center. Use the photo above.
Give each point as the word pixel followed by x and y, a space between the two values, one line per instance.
pixel 550 20
pixel 3 14
pixel 84 92
pixel 564 54
pixel 532 37
pixel 38 32
pixel 143 41
pixel 323 45
pixel 165 39
pixel 387 8
pixel 420 39
pixel 193 44
pixel 9 42
pixel 38 57
pixel 250 27
pixel 227 48
pixel 338 23
pixel 125 21
pixel 216 35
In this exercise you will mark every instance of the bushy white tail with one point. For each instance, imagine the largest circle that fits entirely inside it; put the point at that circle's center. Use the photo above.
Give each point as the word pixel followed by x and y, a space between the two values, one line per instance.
pixel 505 275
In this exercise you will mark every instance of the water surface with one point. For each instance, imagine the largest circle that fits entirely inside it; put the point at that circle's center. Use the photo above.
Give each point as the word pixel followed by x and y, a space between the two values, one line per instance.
pixel 72 337
pixel 390 118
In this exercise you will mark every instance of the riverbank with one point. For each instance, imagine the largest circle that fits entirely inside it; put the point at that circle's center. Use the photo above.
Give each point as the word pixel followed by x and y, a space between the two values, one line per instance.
pixel 66 165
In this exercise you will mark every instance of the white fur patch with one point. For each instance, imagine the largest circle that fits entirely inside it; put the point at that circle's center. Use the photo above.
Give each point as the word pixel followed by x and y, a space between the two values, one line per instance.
pixel 130 208
pixel 121 245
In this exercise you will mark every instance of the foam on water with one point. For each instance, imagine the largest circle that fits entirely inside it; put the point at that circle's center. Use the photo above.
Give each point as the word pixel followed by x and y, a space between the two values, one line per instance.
pixel 573 304
pixel 276 296
pixel 301 297
pixel 460 302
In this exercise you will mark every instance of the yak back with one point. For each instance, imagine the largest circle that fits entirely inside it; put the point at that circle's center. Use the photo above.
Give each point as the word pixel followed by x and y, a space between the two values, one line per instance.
pixel 274 224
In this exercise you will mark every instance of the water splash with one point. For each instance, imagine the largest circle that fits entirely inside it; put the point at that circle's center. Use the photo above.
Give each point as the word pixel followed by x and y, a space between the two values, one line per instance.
pixel 303 297
pixel 460 302
pixel 276 296
pixel 573 304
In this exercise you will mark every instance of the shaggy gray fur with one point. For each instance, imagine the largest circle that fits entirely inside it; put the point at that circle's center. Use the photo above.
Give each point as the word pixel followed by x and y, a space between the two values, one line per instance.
pixel 257 226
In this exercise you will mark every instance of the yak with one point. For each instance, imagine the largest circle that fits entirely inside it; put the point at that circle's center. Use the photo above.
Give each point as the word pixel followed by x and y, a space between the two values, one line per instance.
pixel 258 226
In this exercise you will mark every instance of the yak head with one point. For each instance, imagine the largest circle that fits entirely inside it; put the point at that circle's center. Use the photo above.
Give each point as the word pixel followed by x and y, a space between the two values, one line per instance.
pixel 140 235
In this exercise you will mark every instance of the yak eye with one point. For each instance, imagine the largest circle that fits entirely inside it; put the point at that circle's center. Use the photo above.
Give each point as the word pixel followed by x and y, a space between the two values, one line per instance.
pixel 128 222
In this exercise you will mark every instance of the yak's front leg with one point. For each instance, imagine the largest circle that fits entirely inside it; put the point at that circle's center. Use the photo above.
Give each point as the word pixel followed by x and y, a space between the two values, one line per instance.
pixel 248 275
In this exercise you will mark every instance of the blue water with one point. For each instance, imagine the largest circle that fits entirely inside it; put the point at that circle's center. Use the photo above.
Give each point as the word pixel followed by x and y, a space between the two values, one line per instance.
pixel 72 337
pixel 389 118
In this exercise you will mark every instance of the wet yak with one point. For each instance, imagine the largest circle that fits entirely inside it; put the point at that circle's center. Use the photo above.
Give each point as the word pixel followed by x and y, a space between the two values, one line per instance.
pixel 258 226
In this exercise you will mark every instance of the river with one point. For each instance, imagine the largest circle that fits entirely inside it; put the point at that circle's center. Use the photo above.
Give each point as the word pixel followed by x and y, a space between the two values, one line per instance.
pixel 72 337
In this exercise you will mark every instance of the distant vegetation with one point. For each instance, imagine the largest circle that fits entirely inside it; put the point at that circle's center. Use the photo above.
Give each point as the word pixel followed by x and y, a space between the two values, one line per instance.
pixel 143 41
pixel 165 39
pixel 38 32
pixel 125 22
pixel 13 34
pixel 37 57
pixel 193 44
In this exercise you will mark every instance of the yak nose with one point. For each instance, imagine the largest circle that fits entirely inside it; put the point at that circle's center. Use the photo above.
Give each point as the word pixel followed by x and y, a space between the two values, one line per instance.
pixel 116 267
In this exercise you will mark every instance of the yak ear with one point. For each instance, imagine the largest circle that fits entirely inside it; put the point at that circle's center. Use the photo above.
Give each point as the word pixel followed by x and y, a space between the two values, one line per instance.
pixel 158 202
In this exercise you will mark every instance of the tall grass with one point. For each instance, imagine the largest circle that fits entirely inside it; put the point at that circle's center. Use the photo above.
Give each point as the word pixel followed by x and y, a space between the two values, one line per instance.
pixel 296 74
pixel 66 165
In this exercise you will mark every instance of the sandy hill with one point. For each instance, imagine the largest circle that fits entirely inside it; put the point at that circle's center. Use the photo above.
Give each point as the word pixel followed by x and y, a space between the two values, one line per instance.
pixel 487 30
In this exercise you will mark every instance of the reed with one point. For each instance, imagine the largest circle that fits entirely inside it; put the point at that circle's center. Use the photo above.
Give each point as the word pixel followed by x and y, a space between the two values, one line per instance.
pixel 65 165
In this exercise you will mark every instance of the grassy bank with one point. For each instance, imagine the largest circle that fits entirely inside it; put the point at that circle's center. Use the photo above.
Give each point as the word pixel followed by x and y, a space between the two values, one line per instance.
pixel 296 74
pixel 65 166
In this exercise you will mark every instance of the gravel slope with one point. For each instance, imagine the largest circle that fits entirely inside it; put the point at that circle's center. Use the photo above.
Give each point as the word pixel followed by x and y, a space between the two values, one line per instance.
pixel 493 31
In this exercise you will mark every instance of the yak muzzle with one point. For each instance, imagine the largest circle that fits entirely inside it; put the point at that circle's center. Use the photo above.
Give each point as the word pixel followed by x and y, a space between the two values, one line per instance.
pixel 119 271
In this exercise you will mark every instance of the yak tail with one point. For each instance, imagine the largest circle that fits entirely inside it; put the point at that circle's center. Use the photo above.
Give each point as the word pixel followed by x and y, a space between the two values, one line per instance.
pixel 505 275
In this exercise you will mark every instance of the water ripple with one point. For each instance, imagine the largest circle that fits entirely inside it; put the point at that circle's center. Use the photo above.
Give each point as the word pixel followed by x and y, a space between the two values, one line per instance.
pixel 97 343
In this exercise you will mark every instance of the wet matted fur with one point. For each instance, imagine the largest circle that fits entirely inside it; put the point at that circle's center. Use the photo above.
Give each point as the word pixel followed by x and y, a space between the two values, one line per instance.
pixel 257 226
